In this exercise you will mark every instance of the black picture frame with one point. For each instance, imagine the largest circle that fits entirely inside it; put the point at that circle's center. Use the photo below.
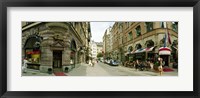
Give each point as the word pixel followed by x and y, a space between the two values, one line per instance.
pixel 100 3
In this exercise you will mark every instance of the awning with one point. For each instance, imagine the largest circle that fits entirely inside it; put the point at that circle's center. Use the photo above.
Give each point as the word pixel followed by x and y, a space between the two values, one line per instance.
pixel 175 47
pixel 143 50
pixel 33 52
pixel 133 51
pixel 127 53
pixel 164 51
pixel 150 49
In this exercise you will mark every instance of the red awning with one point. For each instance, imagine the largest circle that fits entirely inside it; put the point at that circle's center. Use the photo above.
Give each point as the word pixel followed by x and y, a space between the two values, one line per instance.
pixel 150 49
pixel 164 51
pixel 33 52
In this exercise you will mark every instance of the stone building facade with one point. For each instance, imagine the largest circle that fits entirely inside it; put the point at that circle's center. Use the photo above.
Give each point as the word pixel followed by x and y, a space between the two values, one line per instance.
pixel 107 43
pixel 94 49
pixel 55 45
pixel 97 47
pixel 135 37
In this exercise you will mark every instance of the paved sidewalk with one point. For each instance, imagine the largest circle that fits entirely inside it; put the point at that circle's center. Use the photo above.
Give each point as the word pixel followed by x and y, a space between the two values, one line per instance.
pixel 150 72
pixel 32 72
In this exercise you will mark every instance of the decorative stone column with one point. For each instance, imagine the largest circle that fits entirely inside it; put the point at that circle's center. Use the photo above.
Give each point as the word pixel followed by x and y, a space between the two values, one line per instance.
pixel 46 61
pixel 66 55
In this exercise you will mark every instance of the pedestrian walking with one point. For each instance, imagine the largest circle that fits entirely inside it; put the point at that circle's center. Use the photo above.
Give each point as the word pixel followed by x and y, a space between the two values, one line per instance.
pixel 137 65
pixel 93 63
pixel 160 67
pixel 24 67
pixel 90 63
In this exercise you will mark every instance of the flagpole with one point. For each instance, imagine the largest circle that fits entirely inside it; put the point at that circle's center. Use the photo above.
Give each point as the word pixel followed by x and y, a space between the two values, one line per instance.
pixel 169 40
pixel 168 34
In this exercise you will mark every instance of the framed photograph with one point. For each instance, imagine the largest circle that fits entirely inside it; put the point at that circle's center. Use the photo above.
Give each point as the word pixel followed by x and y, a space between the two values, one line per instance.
pixel 74 48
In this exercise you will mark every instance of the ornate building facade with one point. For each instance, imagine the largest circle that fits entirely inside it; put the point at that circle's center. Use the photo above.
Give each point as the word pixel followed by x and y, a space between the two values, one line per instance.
pixel 142 40
pixel 107 43
pixel 55 45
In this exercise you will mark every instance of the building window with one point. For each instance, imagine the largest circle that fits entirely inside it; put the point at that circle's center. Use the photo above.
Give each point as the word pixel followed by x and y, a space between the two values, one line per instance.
pixel 130 49
pixel 149 43
pixel 138 46
pixel 163 24
pixel 175 26
pixel 120 28
pixel 149 26
pixel 130 35
pixel 138 31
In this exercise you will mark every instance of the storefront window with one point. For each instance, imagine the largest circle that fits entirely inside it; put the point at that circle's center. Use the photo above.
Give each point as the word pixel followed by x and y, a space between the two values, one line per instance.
pixel 33 56
pixel 32 49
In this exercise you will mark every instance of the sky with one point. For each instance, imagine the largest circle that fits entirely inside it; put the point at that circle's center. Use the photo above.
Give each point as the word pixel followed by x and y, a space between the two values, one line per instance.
pixel 98 29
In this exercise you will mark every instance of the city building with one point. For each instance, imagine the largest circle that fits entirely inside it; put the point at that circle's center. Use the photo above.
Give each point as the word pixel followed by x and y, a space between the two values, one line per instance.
pixel 97 47
pixel 145 40
pixel 94 50
pixel 107 43
pixel 55 45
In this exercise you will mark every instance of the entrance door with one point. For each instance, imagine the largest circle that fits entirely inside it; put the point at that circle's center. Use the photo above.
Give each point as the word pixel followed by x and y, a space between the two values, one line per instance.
pixel 165 58
pixel 57 59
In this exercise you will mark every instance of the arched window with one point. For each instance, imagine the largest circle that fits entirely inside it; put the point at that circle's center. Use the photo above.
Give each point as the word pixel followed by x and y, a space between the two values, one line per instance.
pixel 138 46
pixel 73 52
pixel 130 35
pixel 130 49
pixel 149 43
pixel 73 45
pixel 32 49
pixel 138 31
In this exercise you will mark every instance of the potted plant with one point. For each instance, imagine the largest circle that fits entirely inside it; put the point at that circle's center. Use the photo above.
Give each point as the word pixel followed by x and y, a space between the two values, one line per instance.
pixel 66 69
pixel 50 71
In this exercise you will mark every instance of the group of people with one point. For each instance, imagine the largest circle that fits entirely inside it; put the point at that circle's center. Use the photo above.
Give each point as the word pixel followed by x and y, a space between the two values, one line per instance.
pixel 147 65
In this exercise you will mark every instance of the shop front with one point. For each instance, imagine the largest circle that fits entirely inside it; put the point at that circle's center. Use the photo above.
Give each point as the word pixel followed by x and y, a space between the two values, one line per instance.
pixel 32 52
pixel 151 53
pixel 140 54
pixel 164 53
